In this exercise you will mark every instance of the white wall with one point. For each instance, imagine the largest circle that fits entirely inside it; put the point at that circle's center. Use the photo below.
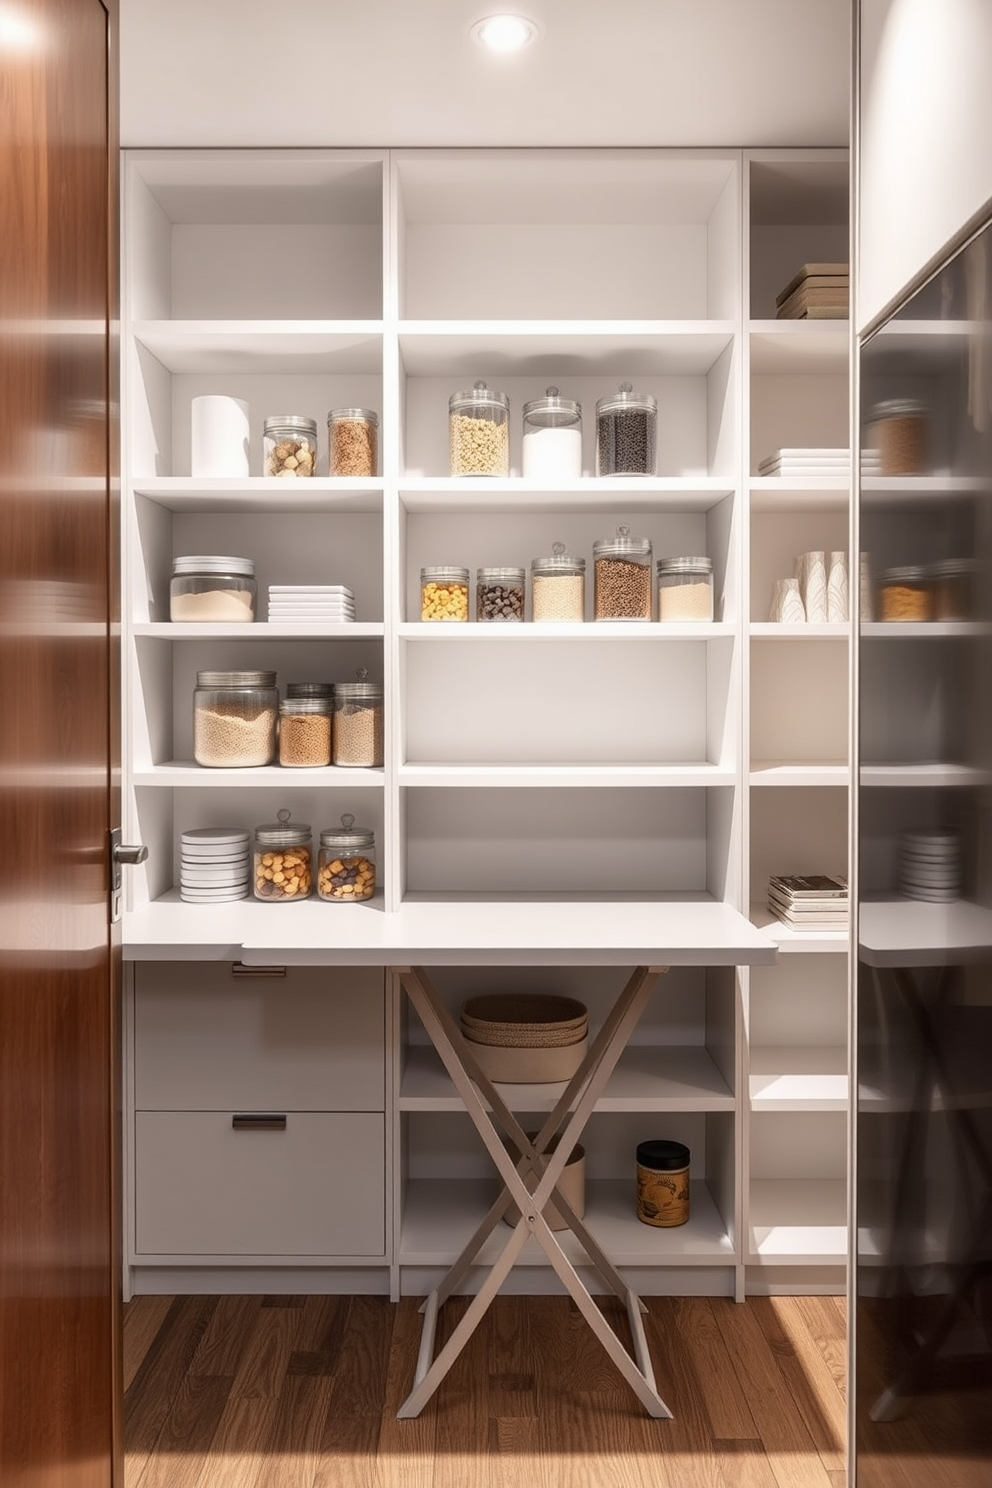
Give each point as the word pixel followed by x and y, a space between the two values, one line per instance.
pixel 925 137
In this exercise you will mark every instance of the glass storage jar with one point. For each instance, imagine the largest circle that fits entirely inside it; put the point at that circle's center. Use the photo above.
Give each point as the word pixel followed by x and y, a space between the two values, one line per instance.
pixel 357 734
pixel 346 862
pixel 626 433
pixel 282 860
pixel 685 589
pixel 234 719
pixel 622 577
pixel 953 589
pixel 444 593
pixel 499 594
pixel 906 594
pixel 479 432
pixel 305 731
pixel 899 432
pixel 352 442
pixel 212 589
pixel 558 586
pixel 552 438
pixel 289 445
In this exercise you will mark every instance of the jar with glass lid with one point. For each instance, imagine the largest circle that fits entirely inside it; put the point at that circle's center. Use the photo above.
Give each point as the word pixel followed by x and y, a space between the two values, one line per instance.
pixel 352 442
pixel 552 438
pixel 626 433
pixel 499 595
pixel 234 719
pixel 558 586
pixel 622 577
pixel 685 589
pixel 212 589
pixel 282 860
pixel 357 735
pixel 346 862
pixel 479 432
pixel 289 445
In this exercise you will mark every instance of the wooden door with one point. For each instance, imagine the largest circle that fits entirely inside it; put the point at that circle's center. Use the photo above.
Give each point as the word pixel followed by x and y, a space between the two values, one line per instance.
pixel 59 1103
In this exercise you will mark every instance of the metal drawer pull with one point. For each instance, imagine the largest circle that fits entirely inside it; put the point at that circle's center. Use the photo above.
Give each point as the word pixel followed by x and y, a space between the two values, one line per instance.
pixel 239 969
pixel 258 1121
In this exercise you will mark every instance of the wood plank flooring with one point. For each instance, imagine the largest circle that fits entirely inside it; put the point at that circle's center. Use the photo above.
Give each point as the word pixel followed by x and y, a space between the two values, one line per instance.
pixel 302 1392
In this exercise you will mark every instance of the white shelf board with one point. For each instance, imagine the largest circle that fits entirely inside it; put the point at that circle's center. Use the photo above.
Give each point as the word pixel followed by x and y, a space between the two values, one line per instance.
pixel 591 494
pixel 810 346
pixel 935 774
pixel 260 630
pixel 647 1078
pixel 452 930
pixel 765 773
pixel 539 348
pixel 440 1216
pixel 261 494
pixel 269 346
pixel 691 775
pixel 523 632
pixel 893 492
pixel 923 630
pixel 908 932
pixel 798 1078
pixel 774 630
pixel 173 774
pixel 772 493
pixel 799 941
pixel 797 1221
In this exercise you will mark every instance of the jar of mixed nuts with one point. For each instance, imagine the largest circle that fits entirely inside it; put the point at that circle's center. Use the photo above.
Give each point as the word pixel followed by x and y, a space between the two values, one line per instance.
pixel 282 860
pixel 357 735
pixel 906 594
pixel 552 439
pixel 479 432
pixel 352 442
pixel 685 589
pixel 444 593
pixel 622 566
pixel 558 586
pixel 305 731
pixel 499 594
pixel 289 445
pixel 899 429
pixel 346 862
pixel 626 431
pixel 234 719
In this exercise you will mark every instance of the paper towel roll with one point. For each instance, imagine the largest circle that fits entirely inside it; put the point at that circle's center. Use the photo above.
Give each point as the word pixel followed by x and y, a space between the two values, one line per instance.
pixel 219 436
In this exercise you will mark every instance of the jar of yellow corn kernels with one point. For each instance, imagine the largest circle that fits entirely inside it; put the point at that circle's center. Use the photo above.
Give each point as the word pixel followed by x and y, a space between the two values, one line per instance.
pixel 444 594
pixel 346 862
pixel 282 860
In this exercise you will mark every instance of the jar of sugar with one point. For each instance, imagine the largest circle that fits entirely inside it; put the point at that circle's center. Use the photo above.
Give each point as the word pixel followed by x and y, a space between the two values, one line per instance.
pixel 552 438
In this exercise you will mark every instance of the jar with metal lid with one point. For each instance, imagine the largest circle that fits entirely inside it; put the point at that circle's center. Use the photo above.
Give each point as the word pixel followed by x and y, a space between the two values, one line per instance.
pixel 212 589
pixel 310 690
pixel 622 577
pixel 558 587
pixel 552 438
pixel 662 1183
pixel 953 589
pixel 479 432
pixel 357 736
pixel 234 719
pixel 282 860
pixel 444 593
pixel 352 442
pixel 626 433
pixel 685 589
pixel 906 594
pixel 289 445
pixel 899 432
pixel 499 594
pixel 346 862
pixel 305 731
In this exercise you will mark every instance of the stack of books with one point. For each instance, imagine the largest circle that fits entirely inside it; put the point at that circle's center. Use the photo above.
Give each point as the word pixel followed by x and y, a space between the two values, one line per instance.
pixel 803 463
pixel 820 291
pixel 809 901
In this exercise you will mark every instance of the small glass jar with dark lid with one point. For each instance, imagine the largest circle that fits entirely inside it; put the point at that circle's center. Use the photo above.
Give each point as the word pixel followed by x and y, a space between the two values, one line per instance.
pixel 234 719
pixel 212 589
pixel 289 445
pixel 352 442
pixel 906 594
pixel 346 863
pixel 626 433
pixel 623 578
pixel 479 432
pixel 305 731
pixel 558 587
pixel 953 583
pixel 444 593
pixel 358 723
pixel 552 438
pixel 499 595
pixel 282 860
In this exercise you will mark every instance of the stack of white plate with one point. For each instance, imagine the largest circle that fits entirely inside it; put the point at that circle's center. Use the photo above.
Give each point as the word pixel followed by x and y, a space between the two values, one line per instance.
pixel 215 865
pixel 311 602
pixel 929 866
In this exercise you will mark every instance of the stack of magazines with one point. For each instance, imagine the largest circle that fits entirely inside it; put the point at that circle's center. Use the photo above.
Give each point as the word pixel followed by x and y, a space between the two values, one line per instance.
pixel 808 901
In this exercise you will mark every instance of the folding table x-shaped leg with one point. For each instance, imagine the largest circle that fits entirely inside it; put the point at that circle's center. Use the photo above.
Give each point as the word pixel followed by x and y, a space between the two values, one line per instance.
pixel 565 1122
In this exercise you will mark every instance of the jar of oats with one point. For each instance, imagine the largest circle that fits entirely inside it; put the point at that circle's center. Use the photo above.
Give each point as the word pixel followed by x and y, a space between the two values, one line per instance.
pixel 282 860
pixel 234 719
pixel 289 445
pixel 346 862
pixel 305 731
pixel 558 586
pixel 906 594
pixel 479 432
pixel 357 734
pixel 352 442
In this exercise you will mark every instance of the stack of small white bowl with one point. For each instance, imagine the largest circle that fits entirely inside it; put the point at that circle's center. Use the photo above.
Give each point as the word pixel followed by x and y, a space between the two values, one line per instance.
pixel 215 865
pixel 929 866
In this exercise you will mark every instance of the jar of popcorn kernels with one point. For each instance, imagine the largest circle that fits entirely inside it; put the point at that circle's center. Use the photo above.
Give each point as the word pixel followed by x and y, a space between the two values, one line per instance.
pixel 346 862
pixel 289 445
pixel 282 861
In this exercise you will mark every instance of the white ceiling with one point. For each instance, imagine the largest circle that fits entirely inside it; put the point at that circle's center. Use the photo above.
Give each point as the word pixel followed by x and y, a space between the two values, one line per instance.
pixel 406 72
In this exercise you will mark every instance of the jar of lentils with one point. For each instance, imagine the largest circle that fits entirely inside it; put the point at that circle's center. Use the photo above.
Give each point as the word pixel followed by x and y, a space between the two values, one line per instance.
pixel 499 594
pixel 622 566
pixel 626 432
pixel 357 735
pixel 444 593
pixel 479 432
pixel 282 861
pixel 558 586
pixel 352 442
pixel 234 719
pixel 346 863
pixel 289 445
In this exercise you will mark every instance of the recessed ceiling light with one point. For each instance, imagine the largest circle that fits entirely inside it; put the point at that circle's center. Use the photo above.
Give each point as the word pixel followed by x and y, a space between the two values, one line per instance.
pixel 504 33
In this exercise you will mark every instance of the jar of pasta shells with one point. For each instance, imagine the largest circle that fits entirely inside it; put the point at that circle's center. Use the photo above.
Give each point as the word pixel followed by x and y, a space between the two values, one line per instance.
pixel 289 445
pixel 346 863
pixel 282 860
pixel 479 432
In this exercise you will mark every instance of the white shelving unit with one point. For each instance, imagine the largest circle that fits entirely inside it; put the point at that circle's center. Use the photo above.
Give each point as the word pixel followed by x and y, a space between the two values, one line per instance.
pixel 557 801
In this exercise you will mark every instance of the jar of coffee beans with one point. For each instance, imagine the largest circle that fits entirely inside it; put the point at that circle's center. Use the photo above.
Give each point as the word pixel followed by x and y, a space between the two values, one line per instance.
pixel 558 586
pixel 282 860
pixel 626 430
pixel 499 594
pixel 622 567
pixel 289 445
pixel 352 442
pixel 346 862
pixel 234 719
pixel 357 735
pixel 479 432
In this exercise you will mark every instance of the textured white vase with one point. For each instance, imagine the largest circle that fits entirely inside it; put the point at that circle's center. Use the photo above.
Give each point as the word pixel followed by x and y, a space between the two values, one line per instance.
pixel 793 612
pixel 811 572
pixel 837 588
